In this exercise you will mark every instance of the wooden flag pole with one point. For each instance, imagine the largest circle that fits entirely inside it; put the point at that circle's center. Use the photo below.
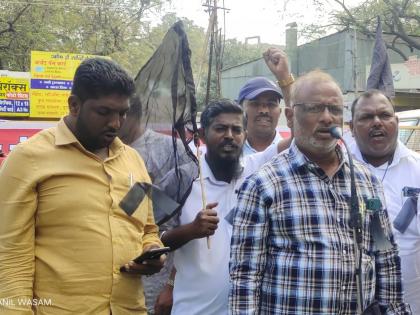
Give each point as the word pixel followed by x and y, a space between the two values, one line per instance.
pixel 203 192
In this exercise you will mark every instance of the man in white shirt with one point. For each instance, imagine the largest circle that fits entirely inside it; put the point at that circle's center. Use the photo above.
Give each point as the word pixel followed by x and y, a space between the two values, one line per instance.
pixel 260 99
pixel 375 129
pixel 202 273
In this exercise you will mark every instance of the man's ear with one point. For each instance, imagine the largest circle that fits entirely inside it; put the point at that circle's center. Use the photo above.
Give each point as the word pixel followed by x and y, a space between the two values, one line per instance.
pixel 288 112
pixel 74 105
pixel 201 133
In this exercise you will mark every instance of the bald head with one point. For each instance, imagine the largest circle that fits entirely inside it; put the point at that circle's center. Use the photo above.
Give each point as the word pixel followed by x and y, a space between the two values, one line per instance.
pixel 312 81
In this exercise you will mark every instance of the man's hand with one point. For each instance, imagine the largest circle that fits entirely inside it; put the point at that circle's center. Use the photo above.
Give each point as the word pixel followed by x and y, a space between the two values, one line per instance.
pixel 148 267
pixel 276 60
pixel 163 305
pixel 205 223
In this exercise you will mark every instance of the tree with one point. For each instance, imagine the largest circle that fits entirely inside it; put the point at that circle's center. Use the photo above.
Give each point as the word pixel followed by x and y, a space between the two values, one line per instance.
pixel 101 27
pixel 8 28
pixel 236 52
pixel 401 20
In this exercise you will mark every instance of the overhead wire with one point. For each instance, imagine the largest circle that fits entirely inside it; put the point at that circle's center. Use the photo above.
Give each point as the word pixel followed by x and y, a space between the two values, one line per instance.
pixel 68 4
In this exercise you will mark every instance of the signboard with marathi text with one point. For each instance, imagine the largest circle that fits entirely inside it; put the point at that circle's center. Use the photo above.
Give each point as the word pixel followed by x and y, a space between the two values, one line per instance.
pixel 14 94
pixel 51 81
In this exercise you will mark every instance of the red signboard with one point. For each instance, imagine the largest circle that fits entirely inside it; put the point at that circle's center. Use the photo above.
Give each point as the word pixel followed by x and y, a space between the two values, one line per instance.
pixel 11 137
pixel 14 132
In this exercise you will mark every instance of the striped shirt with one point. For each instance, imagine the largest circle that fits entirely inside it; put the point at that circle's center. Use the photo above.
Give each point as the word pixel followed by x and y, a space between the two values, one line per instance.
pixel 292 247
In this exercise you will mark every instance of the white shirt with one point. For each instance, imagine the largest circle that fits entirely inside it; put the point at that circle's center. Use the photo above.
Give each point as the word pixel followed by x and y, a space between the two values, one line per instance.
pixel 403 171
pixel 202 277
pixel 248 149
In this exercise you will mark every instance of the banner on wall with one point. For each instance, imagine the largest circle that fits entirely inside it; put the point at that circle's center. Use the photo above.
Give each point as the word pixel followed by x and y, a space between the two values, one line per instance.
pixel 51 81
pixel 14 93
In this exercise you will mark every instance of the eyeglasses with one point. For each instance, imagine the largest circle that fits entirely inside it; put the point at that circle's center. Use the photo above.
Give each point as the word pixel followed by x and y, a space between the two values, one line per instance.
pixel 316 108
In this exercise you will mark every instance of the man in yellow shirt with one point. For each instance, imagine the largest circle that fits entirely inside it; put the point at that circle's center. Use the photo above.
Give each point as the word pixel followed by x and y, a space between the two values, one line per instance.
pixel 63 237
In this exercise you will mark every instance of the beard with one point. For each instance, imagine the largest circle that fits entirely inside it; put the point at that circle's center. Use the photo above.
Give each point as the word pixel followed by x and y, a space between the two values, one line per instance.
pixel 83 135
pixel 230 166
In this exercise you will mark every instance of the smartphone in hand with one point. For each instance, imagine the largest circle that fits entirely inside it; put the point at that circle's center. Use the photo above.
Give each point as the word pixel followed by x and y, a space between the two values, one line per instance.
pixel 154 253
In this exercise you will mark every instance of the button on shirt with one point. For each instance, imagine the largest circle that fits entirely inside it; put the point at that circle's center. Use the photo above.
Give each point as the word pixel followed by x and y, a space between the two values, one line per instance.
pixel 292 247
pixel 403 171
pixel 202 277
pixel 63 236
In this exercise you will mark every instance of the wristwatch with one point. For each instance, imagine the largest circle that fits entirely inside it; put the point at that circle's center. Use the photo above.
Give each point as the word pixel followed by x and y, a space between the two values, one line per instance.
pixel 286 82
pixel 170 283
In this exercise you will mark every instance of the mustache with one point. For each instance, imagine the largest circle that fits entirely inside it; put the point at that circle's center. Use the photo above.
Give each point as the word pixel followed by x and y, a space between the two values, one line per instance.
pixel 263 115
pixel 374 131
pixel 228 142
pixel 323 129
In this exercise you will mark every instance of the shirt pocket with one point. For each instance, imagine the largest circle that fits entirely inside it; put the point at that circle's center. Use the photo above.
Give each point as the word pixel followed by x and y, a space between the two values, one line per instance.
pixel 121 185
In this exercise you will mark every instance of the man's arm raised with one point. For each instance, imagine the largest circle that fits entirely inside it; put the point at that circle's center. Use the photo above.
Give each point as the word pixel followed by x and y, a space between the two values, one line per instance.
pixel 276 60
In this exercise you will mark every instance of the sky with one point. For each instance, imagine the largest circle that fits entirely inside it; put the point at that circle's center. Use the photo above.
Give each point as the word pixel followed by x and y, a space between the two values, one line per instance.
pixel 264 18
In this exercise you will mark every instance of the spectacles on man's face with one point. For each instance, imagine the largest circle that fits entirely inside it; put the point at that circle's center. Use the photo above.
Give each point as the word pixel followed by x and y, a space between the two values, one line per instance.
pixel 316 108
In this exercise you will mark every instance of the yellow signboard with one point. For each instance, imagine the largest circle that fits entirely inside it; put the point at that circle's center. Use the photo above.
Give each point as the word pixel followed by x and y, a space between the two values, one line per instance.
pixel 14 96
pixel 51 81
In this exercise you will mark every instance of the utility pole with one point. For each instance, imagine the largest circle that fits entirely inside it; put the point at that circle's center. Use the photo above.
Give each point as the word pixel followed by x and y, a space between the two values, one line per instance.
pixel 354 55
pixel 215 48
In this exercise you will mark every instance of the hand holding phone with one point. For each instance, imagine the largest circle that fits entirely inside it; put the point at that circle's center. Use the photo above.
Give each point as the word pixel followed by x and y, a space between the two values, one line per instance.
pixel 147 263
pixel 154 253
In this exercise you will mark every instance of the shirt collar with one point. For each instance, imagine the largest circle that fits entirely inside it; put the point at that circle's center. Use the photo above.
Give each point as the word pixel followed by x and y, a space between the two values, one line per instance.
pixel 64 136
pixel 206 172
pixel 298 159
pixel 249 148
pixel 401 152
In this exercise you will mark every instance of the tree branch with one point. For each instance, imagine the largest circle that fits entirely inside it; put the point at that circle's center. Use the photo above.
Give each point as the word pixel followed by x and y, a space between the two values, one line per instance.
pixel 10 28
pixel 397 50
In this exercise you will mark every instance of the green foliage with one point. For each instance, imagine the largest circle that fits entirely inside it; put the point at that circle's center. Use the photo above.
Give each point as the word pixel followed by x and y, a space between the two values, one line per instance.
pixel 236 52
pixel 400 18
pixel 102 27
pixel 121 29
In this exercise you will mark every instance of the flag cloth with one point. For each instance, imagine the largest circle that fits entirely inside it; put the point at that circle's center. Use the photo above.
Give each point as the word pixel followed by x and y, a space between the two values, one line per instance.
pixel 380 76
pixel 166 108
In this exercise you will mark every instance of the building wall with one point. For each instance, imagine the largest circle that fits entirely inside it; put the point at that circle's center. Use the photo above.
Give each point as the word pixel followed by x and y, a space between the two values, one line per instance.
pixel 334 54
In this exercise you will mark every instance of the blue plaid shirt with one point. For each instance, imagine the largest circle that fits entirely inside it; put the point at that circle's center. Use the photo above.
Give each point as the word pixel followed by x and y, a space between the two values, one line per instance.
pixel 292 247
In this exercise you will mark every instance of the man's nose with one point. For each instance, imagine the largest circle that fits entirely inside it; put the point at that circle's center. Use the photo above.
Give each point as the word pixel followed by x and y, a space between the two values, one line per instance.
pixel 115 121
pixel 263 108
pixel 376 120
pixel 228 133
pixel 326 116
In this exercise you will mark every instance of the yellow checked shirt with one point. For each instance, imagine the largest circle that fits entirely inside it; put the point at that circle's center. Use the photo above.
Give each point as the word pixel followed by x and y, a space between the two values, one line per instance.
pixel 63 236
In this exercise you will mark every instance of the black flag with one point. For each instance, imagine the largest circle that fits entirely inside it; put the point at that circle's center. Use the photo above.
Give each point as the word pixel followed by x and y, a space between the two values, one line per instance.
pixel 165 109
pixel 380 76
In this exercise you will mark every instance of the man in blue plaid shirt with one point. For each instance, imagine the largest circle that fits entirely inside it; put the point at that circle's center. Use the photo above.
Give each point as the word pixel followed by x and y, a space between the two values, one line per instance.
pixel 292 245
